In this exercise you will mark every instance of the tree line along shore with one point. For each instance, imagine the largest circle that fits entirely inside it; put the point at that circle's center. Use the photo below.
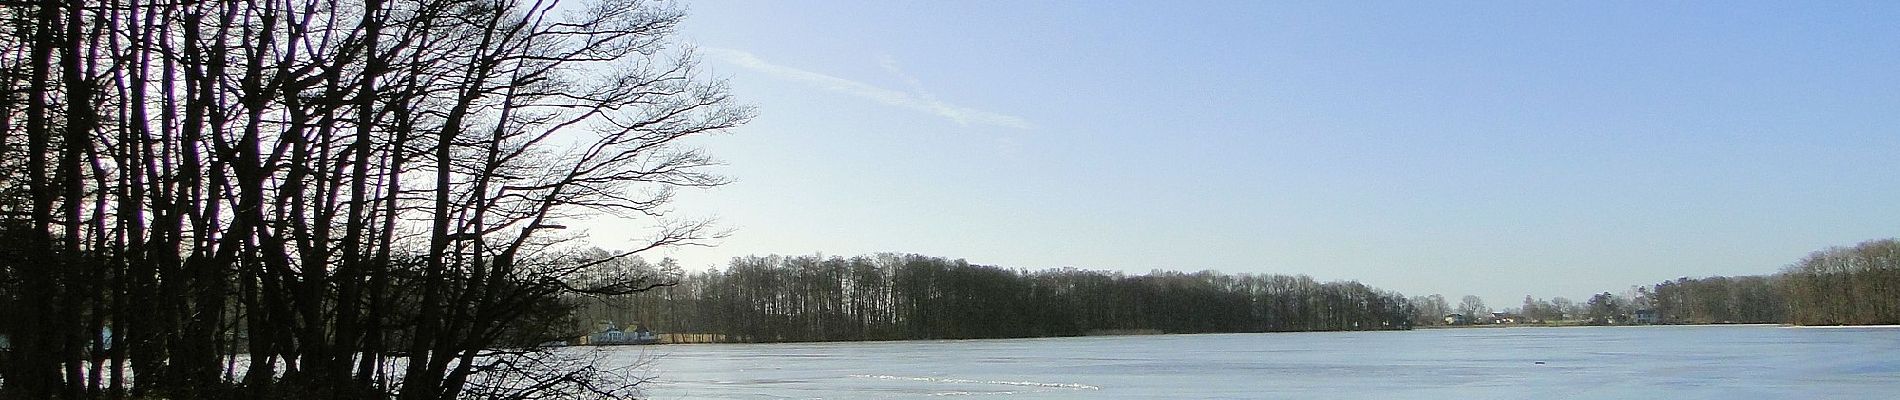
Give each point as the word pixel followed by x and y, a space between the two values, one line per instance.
pixel 899 297
pixel 1847 285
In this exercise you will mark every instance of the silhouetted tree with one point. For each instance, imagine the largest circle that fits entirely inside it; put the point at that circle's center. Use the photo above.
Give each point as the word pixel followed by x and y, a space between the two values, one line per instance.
pixel 208 179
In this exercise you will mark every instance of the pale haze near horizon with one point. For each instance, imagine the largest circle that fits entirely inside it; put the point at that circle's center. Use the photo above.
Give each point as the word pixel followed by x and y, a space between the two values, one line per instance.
pixel 1501 150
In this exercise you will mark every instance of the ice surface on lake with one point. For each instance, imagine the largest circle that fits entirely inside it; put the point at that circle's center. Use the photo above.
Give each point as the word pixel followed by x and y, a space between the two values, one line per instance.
pixel 1678 362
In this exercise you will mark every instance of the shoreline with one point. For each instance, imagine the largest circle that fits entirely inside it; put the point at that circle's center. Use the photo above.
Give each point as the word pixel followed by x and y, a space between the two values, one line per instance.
pixel 1136 333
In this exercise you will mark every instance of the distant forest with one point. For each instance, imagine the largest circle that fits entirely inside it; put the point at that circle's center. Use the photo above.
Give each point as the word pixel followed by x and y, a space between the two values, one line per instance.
pixel 1858 285
pixel 898 297
pixel 903 297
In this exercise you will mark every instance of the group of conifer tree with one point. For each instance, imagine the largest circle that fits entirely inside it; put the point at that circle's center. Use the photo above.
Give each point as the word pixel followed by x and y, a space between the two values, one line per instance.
pixel 327 198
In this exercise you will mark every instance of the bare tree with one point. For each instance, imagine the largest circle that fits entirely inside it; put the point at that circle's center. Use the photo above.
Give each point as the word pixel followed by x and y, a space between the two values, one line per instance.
pixel 1472 306
pixel 211 178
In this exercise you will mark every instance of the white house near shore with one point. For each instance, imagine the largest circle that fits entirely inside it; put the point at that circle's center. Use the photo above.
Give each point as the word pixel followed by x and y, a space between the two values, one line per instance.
pixel 610 334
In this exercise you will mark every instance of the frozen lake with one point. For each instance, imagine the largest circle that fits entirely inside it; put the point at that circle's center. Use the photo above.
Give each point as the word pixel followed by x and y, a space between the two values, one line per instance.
pixel 1675 362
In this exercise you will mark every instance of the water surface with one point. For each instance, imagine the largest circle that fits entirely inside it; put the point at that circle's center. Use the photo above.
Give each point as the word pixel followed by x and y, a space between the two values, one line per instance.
pixel 1674 362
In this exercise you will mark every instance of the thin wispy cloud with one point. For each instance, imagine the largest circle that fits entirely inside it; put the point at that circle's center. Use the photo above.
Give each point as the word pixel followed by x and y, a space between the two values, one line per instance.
pixel 890 65
pixel 916 100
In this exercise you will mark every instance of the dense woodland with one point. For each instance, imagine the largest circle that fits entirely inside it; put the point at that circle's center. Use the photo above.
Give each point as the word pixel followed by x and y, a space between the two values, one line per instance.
pixel 1720 299
pixel 328 198
pixel 893 297
pixel 1846 285
pixel 1858 285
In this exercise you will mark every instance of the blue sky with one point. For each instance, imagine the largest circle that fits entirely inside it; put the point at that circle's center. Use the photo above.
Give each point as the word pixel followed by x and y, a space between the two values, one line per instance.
pixel 1497 149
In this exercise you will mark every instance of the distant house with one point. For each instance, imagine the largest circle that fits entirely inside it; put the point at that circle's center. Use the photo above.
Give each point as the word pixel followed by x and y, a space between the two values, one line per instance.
pixel 1457 319
pixel 611 335
pixel 1503 318
pixel 1645 317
